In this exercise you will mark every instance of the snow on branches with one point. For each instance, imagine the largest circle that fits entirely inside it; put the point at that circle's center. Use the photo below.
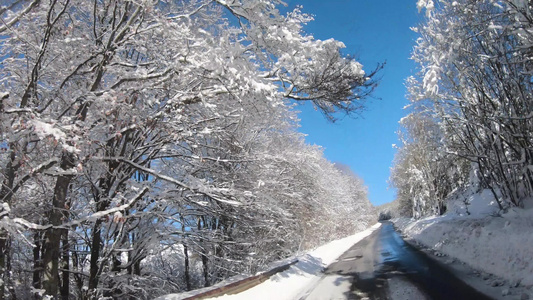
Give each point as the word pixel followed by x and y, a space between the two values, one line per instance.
pixel 474 86
pixel 169 103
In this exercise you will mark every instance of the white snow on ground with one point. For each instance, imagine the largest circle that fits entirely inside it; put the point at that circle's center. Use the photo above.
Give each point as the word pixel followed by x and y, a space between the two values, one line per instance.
pixel 498 244
pixel 301 276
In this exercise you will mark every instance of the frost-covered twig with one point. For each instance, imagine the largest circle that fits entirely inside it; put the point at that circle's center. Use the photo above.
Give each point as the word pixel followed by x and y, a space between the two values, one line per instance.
pixel 82 220
pixel 167 178
pixel 40 168
pixel 192 13
pixel 17 17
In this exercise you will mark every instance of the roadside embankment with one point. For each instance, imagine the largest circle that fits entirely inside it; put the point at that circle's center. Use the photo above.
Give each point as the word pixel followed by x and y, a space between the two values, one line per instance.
pixel 499 246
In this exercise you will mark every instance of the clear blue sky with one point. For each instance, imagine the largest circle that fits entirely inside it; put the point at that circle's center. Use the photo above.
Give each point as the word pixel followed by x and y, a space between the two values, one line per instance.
pixel 374 31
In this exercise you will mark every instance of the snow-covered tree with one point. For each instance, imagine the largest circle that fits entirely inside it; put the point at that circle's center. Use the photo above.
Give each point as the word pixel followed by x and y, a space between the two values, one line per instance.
pixel 474 81
pixel 128 126
pixel 423 173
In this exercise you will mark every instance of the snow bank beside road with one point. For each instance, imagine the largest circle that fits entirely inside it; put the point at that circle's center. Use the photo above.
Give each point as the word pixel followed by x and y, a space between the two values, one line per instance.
pixel 501 245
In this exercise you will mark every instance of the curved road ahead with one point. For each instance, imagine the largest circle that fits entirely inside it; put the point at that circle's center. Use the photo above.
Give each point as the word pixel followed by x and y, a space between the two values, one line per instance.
pixel 367 270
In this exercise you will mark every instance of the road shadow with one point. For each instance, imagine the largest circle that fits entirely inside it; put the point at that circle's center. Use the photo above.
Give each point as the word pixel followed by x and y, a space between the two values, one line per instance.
pixel 357 266
pixel 306 265
pixel 361 287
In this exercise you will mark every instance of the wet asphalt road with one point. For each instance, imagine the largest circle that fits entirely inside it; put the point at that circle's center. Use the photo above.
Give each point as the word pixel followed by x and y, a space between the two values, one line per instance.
pixel 363 271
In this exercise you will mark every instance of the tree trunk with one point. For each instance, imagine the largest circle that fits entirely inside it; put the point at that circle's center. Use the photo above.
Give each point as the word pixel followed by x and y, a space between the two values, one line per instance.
pixel 205 269
pixel 187 272
pixel 134 262
pixel 3 276
pixel 95 256
pixel 9 282
pixel 131 255
pixel 77 267
pixel 203 254
pixel 37 263
pixel 96 244
pixel 52 240
pixel 5 197
pixel 137 268
pixel 186 257
pixel 65 284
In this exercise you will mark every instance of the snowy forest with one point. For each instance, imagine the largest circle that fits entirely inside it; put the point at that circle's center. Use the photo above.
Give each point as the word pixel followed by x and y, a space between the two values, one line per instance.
pixel 470 121
pixel 150 147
